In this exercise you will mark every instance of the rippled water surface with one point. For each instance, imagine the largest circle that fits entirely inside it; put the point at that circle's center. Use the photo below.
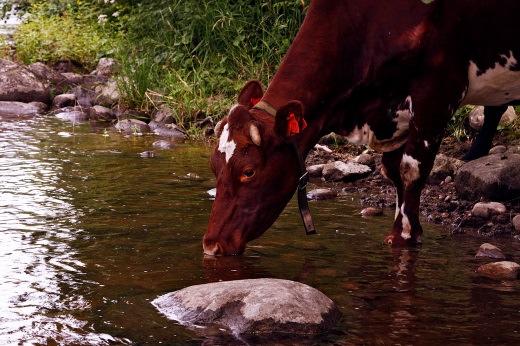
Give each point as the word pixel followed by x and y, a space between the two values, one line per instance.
pixel 90 233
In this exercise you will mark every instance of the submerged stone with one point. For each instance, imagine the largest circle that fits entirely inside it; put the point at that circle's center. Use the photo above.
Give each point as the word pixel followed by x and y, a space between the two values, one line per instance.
pixel 252 307
pixel 487 250
pixel 503 270
pixel 321 194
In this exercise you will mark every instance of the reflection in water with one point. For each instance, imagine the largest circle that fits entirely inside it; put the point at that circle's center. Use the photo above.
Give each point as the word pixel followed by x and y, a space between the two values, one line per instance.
pixel 90 233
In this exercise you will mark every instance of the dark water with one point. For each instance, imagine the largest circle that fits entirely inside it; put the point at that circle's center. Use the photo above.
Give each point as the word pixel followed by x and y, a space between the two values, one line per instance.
pixel 90 233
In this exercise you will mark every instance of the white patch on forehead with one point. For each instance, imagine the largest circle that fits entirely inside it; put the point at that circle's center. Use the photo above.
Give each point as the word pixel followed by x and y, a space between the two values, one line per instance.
pixel 409 169
pixel 407 228
pixel 496 86
pixel 226 145
pixel 365 136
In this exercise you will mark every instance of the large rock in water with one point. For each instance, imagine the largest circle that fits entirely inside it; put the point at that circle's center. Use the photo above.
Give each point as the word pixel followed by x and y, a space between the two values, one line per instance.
pixel 18 83
pixel 443 167
pixel 252 307
pixel 494 177
pixel 11 108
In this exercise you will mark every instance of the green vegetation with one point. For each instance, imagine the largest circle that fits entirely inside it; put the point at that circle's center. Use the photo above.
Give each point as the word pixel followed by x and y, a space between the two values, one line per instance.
pixel 192 55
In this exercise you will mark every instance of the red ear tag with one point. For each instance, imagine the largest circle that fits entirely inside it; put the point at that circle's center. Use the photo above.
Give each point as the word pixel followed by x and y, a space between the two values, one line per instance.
pixel 293 127
pixel 254 100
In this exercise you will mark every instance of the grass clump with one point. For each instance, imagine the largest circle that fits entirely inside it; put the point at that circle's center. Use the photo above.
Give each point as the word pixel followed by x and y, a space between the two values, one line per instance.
pixel 61 38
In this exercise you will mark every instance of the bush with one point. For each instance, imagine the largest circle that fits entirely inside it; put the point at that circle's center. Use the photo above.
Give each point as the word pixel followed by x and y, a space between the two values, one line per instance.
pixel 60 38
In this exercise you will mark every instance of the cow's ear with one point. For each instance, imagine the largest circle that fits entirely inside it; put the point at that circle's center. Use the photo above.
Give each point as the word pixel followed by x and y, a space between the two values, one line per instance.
pixel 290 119
pixel 251 93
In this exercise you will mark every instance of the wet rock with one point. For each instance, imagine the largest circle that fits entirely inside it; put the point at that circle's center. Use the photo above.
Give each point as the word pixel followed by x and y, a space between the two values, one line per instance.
pixel 487 209
pixel 323 147
pixel 84 96
pixel 315 170
pixel 444 166
pixel 371 211
pixel 46 74
pixel 516 223
pixel 164 115
pixel 212 192
pixel 366 159
pixel 74 116
pixel 18 83
pixel 162 144
pixel 64 100
pixel 73 78
pixel 252 307
pixel 503 270
pixel 107 94
pixel 476 117
pixel 493 177
pixel 132 126
pixel 42 107
pixel 206 122
pixel 106 67
pixel 168 130
pixel 487 250
pixel 147 154
pixel 101 113
pixel 13 108
pixel 341 171
pixel 321 194
pixel 499 149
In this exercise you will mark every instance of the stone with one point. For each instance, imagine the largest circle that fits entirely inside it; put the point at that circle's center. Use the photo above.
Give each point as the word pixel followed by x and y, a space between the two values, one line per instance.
pixel 147 154
pixel 323 147
pixel 106 67
pixel 487 250
pixel 64 100
pixel 476 117
pixel 341 171
pixel 206 122
pixel 168 130
pixel 162 144
pixel 18 83
pixel 164 115
pixel 487 209
pixel 315 170
pixel 259 307
pixel 212 193
pixel 504 270
pixel 321 194
pixel 365 159
pixel 84 96
pixel 107 94
pixel 499 149
pixel 74 116
pixel 46 74
pixel 73 78
pixel 101 113
pixel 42 107
pixel 13 108
pixel 132 126
pixel 495 177
pixel 444 166
pixel 516 223
pixel 371 211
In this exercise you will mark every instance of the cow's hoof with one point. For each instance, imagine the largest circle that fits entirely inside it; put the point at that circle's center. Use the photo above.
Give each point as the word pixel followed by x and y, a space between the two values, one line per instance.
pixel 395 240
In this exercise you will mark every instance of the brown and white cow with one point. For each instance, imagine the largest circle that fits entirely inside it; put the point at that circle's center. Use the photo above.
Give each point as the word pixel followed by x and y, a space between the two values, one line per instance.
pixel 388 74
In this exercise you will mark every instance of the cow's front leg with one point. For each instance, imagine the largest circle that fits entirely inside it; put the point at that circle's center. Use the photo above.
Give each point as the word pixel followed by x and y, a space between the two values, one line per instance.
pixel 409 168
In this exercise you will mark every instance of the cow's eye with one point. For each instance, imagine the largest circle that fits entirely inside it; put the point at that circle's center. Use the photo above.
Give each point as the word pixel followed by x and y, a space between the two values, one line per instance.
pixel 247 174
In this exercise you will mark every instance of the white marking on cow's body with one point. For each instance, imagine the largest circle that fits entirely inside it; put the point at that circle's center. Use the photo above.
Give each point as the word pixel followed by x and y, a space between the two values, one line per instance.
pixel 226 145
pixel 407 228
pixel 426 144
pixel 495 86
pixel 409 169
pixel 396 206
pixel 365 136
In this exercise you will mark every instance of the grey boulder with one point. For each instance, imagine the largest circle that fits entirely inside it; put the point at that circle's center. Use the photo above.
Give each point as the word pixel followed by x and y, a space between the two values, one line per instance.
pixel 12 108
pixel 487 250
pixel 107 94
pixel 101 113
pixel 321 194
pixel 252 307
pixel 74 115
pixel 443 167
pixel 64 100
pixel 503 270
pixel 132 126
pixel 18 83
pixel 493 177
pixel 167 130
pixel 106 67
pixel 341 171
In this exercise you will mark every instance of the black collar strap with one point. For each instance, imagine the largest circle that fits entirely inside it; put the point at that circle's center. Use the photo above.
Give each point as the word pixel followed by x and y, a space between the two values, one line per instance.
pixel 303 204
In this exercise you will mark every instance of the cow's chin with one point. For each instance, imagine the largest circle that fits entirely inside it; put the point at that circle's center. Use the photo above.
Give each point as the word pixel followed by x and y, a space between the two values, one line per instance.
pixel 217 247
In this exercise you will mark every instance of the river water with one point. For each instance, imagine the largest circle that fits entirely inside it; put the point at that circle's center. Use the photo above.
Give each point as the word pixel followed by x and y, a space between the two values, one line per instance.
pixel 91 233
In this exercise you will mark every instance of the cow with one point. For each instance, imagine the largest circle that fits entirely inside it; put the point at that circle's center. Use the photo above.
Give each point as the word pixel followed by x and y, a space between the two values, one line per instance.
pixel 388 74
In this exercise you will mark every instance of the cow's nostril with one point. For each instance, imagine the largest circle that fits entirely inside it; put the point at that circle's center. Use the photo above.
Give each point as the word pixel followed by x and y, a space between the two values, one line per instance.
pixel 212 249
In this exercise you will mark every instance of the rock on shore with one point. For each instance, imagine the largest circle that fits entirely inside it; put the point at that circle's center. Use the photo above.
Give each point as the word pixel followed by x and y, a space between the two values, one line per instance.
pixel 18 83
pixel 252 307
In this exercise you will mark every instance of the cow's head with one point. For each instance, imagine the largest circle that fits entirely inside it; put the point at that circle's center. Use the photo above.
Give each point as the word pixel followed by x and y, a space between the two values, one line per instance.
pixel 257 171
